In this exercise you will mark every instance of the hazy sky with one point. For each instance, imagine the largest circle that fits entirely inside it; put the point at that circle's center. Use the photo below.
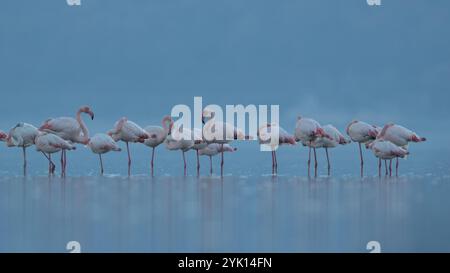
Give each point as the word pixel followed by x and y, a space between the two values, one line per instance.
pixel 331 60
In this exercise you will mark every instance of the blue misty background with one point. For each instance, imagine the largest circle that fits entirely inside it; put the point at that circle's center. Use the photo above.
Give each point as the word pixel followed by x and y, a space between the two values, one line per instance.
pixel 331 60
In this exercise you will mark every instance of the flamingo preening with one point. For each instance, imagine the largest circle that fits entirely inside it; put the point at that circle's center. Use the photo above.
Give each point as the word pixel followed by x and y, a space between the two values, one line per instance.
pixel 399 136
pixel 22 135
pixel 48 144
pixel 71 129
pixel 362 133
pixel 157 135
pixel 307 130
pixel 335 138
pixel 265 135
pixel 128 131
pixel 214 149
pixel 101 144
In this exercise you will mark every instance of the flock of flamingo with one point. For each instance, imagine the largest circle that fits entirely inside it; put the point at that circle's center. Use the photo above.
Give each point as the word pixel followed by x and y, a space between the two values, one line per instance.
pixel 61 134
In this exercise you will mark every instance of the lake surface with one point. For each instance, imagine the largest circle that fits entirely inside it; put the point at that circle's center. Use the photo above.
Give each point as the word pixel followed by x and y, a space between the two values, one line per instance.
pixel 246 211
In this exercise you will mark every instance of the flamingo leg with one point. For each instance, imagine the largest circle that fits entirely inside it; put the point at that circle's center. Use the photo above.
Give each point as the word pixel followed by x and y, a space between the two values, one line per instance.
pixel 129 159
pixel 273 164
pixel 184 160
pixel 101 163
pixel 379 167
pixel 390 167
pixel 221 162
pixel 62 163
pixel 65 161
pixel 362 160
pixel 153 157
pixel 328 161
pixel 24 150
pixel 396 168
pixel 276 162
pixel 198 164
pixel 210 165
pixel 315 163
pixel 50 163
pixel 309 162
pixel 385 167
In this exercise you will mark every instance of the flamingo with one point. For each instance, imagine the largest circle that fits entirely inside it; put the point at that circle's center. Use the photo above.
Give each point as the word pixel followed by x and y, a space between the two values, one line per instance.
pixel 22 135
pixel 199 144
pixel 128 131
pixel 100 144
pixel 70 129
pixel 3 136
pixel 179 140
pixel 362 132
pixel 157 135
pixel 307 130
pixel 213 149
pixel 386 150
pixel 283 138
pixel 48 143
pixel 324 142
pixel 400 136
pixel 229 132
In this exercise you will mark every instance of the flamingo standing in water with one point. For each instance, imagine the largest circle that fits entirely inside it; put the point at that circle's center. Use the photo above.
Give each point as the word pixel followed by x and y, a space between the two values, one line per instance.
pixel 212 133
pixel 400 136
pixel 362 133
pixel 213 149
pixel 100 144
pixel 307 130
pixel 335 139
pixel 386 150
pixel 71 129
pixel 50 143
pixel 179 140
pixel 128 131
pixel 199 143
pixel 22 135
pixel 265 134
pixel 157 135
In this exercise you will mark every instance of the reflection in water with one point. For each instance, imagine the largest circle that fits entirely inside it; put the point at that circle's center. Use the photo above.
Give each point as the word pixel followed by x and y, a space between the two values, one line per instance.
pixel 173 214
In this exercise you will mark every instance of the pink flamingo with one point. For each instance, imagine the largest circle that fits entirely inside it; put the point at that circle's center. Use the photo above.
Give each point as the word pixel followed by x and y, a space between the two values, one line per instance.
pixel 400 136
pixel 362 132
pixel 70 129
pixel 265 133
pixel 128 131
pixel 50 143
pixel 22 135
pixel 101 144
pixel 213 149
pixel 307 130
pixel 386 150
pixel 335 139
pixel 157 135
pixel 179 140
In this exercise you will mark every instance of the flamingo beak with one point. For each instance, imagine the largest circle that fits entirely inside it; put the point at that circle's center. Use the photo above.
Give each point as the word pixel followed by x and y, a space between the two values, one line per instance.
pixel 92 115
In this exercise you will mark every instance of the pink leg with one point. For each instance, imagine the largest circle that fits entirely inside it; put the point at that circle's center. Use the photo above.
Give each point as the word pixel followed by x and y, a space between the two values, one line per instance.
pixel 153 157
pixel 24 150
pixel 276 162
pixel 53 166
pixel 390 167
pixel 362 160
pixel 50 163
pixel 62 163
pixel 315 163
pixel 396 168
pixel 101 164
pixel 65 162
pixel 221 162
pixel 210 165
pixel 385 168
pixel 198 164
pixel 379 167
pixel 309 162
pixel 273 164
pixel 184 160
pixel 328 161
pixel 129 159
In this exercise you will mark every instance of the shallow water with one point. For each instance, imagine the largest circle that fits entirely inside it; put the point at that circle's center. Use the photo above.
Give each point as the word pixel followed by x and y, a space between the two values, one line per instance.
pixel 246 211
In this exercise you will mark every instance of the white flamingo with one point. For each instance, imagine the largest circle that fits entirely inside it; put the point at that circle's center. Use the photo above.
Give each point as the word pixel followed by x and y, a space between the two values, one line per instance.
pixel 70 129
pixel 48 144
pixel 101 144
pixel 199 143
pixel 211 132
pixel 128 131
pixel 156 136
pixel 335 139
pixel 362 133
pixel 22 135
pixel 179 140
pixel 213 149
pixel 307 130
pixel 265 134
pixel 400 136
pixel 386 150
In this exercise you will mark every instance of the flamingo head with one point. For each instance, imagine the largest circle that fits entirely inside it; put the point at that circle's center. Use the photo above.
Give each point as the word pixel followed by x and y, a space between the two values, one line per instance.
pixel 87 110
pixel 343 140
pixel 3 136
pixel 321 133
pixel 167 123
pixel 415 138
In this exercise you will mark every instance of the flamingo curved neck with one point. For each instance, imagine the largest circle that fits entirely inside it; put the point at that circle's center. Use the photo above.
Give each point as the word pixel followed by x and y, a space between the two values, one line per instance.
pixel 85 137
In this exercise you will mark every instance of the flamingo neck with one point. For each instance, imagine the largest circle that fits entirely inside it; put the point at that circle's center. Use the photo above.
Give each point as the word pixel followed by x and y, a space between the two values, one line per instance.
pixel 85 137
